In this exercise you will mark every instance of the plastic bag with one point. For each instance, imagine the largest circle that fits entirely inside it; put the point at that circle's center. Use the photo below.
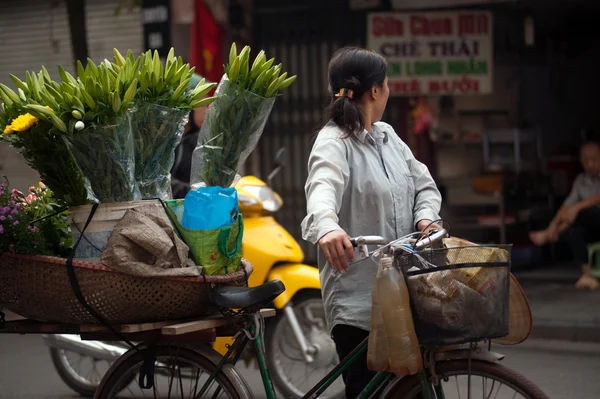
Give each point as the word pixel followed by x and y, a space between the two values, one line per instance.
pixel 157 131
pixel 401 353
pixel 209 208
pixel 105 157
pixel 218 251
pixel 230 132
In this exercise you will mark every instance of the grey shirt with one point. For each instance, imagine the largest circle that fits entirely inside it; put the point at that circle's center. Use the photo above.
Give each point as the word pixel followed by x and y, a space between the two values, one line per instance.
pixel 584 187
pixel 369 185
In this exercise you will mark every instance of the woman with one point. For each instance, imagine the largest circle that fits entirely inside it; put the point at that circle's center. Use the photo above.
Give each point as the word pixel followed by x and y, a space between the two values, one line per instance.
pixel 362 180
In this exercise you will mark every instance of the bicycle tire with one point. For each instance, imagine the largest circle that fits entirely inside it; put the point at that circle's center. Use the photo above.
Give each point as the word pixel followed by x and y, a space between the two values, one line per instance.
pixel 407 388
pixel 205 358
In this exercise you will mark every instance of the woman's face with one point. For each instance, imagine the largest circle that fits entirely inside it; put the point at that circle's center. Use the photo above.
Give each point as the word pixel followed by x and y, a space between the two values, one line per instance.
pixel 381 95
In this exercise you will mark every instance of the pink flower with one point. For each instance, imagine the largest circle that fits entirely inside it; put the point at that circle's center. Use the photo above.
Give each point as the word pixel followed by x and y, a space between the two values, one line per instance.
pixel 1 230
pixel 16 223
pixel 17 193
pixel 30 198
pixel 2 218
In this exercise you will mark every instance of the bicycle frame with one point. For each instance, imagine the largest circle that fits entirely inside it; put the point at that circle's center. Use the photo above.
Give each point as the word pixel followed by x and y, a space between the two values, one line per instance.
pixel 377 384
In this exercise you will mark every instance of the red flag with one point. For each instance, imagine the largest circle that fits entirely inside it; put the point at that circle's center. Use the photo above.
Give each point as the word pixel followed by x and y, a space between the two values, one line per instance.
pixel 206 48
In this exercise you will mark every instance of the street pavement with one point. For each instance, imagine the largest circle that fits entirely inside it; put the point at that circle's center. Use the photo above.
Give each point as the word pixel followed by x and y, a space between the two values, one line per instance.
pixel 565 370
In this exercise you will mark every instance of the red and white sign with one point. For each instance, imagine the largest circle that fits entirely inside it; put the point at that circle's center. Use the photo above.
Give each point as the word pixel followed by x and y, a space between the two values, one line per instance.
pixel 438 53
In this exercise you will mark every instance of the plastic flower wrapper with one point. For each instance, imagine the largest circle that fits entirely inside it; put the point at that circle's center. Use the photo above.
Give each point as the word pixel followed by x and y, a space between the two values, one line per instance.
pixel 230 132
pixel 157 131
pixel 105 156
pixel 165 96
pixel 235 121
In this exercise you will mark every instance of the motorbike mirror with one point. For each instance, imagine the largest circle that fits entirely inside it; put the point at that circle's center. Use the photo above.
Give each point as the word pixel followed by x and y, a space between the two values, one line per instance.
pixel 280 157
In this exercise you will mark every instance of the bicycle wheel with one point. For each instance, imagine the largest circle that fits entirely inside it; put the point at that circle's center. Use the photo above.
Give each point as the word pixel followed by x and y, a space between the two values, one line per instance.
pixel 180 372
pixel 488 380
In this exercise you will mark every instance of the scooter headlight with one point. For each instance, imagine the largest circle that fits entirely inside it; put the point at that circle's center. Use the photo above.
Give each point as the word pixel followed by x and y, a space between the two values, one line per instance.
pixel 269 199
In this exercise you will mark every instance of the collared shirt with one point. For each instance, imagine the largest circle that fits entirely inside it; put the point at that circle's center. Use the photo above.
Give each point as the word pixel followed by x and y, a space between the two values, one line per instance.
pixel 584 187
pixel 370 185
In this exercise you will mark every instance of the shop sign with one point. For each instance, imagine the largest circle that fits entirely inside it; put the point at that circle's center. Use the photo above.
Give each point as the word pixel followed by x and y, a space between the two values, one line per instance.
pixel 437 53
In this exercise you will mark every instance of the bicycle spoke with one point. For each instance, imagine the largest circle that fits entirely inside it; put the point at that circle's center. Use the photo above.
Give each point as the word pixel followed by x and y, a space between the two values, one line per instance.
pixel 457 387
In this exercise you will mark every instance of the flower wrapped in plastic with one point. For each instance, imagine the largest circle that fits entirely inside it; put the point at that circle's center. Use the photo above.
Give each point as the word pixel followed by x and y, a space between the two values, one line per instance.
pixel 230 132
pixel 157 131
pixel 105 156
pixel 236 119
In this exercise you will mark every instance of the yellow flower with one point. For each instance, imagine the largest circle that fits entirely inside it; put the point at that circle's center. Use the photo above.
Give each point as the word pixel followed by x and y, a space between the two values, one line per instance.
pixel 8 129
pixel 23 122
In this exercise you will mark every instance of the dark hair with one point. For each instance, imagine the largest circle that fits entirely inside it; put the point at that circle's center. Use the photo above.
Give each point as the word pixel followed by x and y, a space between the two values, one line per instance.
pixel 589 136
pixel 356 69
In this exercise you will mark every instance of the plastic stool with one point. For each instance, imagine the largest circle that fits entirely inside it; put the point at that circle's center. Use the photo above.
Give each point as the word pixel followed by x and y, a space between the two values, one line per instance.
pixel 594 249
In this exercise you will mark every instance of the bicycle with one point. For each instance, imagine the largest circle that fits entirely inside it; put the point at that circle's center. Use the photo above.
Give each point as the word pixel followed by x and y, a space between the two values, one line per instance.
pixel 441 364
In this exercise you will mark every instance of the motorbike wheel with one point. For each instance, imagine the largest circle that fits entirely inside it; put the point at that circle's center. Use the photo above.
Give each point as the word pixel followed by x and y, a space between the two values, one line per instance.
pixel 71 367
pixel 292 375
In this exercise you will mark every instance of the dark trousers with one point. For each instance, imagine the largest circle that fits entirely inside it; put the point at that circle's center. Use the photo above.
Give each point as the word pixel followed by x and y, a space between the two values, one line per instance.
pixel 357 376
pixel 584 231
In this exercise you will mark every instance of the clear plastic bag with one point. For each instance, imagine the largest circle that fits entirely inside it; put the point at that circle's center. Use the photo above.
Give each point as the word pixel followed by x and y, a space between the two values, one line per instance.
pixel 105 157
pixel 157 131
pixel 399 353
pixel 230 132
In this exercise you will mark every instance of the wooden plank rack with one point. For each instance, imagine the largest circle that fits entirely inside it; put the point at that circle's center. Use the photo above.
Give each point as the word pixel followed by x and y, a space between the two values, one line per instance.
pixel 205 329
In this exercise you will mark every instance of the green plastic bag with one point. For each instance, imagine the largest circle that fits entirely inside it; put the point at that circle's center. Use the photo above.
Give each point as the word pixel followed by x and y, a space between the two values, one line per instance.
pixel 218 251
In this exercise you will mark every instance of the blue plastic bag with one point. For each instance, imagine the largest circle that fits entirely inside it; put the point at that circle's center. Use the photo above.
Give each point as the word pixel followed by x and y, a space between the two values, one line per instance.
pixel 210 208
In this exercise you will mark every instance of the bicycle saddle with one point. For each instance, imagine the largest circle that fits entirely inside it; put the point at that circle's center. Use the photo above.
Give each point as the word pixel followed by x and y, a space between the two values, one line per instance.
pixel 246 297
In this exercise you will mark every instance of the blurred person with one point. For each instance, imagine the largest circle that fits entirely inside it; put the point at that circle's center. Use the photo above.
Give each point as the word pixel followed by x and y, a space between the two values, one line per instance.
pixel 579 216
pixel 180 172
pixel 362 180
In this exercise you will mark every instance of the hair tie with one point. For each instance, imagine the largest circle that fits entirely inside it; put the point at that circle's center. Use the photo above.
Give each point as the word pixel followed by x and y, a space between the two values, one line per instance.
pixel 345 93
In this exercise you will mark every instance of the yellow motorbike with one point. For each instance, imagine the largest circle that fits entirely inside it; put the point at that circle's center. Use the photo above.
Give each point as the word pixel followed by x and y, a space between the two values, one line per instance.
pixel 300 350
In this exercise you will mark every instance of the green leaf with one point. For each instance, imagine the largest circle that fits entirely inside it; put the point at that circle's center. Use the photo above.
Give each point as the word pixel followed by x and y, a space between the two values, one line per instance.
pixel 88 99
pixel 180 89
pixel 116 103
pixel 21 85
pixel 232 53
pixel 234 70
pixel 119 60
pixel 156 65
pixel 130 93
pixel 259 61
pixel 10 93
pixel 203 102
pixel 80 70
pixel 287 82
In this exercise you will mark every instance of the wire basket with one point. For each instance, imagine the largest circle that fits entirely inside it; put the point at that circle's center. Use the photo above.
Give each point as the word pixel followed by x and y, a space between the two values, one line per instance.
pixel 458 294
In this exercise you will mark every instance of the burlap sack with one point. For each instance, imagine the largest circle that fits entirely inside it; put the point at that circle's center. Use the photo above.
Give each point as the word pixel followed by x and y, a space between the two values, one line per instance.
pixel 143 243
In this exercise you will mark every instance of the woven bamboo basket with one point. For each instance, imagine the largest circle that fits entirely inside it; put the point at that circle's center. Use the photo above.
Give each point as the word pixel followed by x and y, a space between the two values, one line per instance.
pixel 38 287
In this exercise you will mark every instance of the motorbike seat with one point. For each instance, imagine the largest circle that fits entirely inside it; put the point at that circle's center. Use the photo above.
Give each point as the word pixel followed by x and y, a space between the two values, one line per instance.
pixel 247 297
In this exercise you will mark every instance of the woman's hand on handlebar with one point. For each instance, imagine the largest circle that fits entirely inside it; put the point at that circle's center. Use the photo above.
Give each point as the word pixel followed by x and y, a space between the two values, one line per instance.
pixel 426 226
pixel 338 250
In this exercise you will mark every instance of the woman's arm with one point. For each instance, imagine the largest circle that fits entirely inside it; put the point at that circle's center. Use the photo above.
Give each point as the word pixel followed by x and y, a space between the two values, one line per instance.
pixel 328 173
pixel 428 199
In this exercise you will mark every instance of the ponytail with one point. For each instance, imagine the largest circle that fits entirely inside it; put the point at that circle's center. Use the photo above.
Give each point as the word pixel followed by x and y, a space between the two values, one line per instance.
pixel 352 72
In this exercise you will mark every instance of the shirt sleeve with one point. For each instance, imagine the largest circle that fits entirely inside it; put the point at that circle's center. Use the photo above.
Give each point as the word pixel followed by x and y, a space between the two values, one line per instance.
pixel 428 199
pixel 328 173
pixel 575 194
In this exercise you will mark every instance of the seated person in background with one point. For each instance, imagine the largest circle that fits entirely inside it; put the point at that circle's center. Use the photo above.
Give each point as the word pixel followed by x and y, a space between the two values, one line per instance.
pixel 579 216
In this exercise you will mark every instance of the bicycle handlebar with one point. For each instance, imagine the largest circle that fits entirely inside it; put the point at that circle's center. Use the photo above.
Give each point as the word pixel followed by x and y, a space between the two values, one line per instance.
pixel 429 238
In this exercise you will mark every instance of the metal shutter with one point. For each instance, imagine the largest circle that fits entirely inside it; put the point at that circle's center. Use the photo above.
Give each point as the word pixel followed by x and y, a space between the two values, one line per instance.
pixel 36 32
